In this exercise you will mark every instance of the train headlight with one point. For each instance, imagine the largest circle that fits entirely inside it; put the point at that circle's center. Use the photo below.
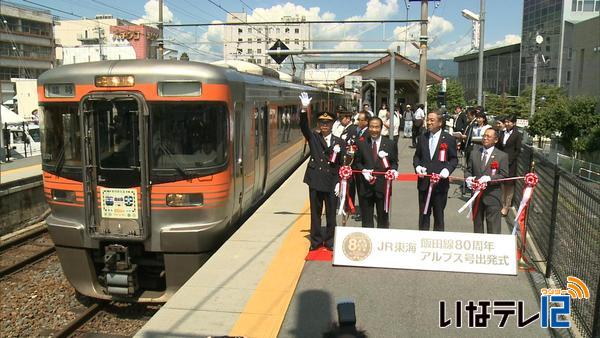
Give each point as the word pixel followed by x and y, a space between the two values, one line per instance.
pixel 185 200
pixel 63 195
pixel 115 81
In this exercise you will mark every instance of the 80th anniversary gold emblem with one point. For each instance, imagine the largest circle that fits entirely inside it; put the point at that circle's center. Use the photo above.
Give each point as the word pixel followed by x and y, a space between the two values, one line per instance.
pixel 357 246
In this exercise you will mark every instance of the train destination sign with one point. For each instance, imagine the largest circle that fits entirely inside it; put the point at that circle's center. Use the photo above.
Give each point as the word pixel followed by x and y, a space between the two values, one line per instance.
pixel 425 250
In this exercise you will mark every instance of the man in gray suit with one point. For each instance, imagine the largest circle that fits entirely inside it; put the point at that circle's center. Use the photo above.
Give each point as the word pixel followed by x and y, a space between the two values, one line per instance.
pixel 486 164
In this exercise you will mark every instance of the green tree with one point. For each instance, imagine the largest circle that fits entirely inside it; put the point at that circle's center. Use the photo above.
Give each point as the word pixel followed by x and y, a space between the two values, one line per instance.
pixel 575 121
pixel 455 95
pixel 501 105
pixel 545 95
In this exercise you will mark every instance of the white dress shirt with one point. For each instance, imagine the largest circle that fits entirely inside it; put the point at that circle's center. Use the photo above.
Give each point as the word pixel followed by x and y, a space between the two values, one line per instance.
pixel 433 141
pixel 506 136
pixel 328 139
pixel 488 153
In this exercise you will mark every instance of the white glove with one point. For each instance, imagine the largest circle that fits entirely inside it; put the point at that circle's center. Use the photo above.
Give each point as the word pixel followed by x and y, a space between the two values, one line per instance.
pixel 469 181
pixel 395 172
pixel 485 179
pixel 367 174
pixel 305 99
pixel 421 170
pixel 444 173
pixel 336 190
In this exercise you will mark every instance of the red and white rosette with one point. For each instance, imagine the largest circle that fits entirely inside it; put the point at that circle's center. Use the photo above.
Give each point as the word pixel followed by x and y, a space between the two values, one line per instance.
pixel 443 153
pixel 333 155
pixel 494 166
pixel 345 174
pixel 433 180
pixel 478 188
pixel 531 180
pixel 383 156
pixel 389 177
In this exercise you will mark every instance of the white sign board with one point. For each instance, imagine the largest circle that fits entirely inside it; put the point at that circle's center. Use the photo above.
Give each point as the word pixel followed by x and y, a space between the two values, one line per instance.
pixel 119 203
pixel 522 123
pixel 352 82
pixel 425 250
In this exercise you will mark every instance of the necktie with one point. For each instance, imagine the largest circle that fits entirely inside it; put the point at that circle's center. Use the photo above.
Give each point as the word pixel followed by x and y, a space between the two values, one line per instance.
pixel 483 159
pixel 374 150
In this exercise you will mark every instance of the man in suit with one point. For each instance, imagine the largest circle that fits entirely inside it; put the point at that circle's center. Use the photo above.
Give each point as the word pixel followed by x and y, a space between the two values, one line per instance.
pixel 509 141
pixel 326 153
pixel 487 163
pixel 359 131
pixel 435 153
pixel 372 150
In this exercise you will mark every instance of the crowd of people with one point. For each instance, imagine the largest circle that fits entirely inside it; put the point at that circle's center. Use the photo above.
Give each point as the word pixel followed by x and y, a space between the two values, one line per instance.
pixel 361 141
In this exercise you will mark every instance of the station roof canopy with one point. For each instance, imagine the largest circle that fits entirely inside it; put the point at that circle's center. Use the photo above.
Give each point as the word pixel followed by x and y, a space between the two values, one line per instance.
pixel 406 70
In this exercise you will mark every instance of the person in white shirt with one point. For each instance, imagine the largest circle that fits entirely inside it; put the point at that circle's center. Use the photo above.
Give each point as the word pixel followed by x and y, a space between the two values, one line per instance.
pixel 418 119
pixel 480 127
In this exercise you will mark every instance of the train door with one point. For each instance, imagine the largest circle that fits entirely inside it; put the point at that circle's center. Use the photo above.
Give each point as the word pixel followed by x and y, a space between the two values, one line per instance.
pixel 239 137
pixel 261 120
pixel 115 165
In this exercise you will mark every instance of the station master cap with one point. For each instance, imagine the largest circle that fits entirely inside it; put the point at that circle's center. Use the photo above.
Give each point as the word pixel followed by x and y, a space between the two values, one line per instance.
pixel 326 116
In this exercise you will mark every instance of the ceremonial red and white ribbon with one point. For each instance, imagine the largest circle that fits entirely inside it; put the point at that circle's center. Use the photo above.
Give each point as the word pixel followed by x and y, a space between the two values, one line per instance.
pixel 389 177
pixel 531 180
pixel 383 155
pixel 433 180
pixel 333 156
pixel 478 188
pixel 443 151
pixel 345 174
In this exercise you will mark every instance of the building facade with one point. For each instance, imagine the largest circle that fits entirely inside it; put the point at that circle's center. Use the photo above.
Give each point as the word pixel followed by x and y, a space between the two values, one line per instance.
pixel 500 71
pixel 85 33
pixel 26 45
pixel 551 20
pixel 249 42
pixel 104 38
pixel 583 60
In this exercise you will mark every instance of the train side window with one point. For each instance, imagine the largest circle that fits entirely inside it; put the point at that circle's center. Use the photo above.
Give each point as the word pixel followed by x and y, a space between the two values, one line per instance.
pixel 189 136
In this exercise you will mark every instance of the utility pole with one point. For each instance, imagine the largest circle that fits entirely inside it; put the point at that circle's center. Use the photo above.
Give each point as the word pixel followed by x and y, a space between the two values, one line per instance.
pixel 423 55
pixel 481 49
pixel 161 45
pixel 100 42
pixel 533 86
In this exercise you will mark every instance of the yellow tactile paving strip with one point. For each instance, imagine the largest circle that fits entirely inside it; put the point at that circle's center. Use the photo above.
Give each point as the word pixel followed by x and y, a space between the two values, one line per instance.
pixel 264 313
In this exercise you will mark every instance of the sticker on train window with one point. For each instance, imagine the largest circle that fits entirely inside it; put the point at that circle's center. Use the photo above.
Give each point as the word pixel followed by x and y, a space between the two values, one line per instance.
pixel 119 203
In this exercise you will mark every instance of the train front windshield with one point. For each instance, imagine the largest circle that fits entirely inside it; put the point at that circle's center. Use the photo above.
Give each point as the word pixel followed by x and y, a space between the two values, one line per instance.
pixel 61 146
pixel 188 138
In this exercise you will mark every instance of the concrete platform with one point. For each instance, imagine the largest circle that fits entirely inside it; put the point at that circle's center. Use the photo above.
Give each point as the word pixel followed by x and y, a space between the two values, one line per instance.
pixel 258 285
pixel 20 169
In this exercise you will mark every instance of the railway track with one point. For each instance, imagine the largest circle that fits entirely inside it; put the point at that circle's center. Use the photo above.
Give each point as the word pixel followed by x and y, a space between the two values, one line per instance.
pixel 25 248
pixel 80 320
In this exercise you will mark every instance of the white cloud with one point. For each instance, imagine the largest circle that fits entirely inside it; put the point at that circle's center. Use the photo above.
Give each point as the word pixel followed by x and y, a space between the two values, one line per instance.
pixel 509 39
pixel 437 29
pixel 151 13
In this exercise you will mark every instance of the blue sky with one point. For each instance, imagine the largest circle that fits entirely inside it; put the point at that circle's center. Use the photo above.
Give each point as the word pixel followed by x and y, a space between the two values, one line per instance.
pixel 450 32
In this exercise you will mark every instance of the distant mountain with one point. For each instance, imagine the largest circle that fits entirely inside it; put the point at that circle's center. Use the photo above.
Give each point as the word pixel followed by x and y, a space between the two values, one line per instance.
pixel 446 68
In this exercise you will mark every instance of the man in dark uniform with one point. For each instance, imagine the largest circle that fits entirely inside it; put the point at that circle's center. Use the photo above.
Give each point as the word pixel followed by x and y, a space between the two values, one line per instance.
pixel 372 149
pixel 435 153
pixel 326 154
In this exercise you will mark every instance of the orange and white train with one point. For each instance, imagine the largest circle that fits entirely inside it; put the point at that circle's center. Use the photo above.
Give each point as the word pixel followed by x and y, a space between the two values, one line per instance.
pixel 148 165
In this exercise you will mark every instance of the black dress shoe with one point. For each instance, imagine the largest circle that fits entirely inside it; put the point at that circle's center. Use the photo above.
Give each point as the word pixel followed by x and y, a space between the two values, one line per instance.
pixel 357 218
pixel 314 247
pixel 329 247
